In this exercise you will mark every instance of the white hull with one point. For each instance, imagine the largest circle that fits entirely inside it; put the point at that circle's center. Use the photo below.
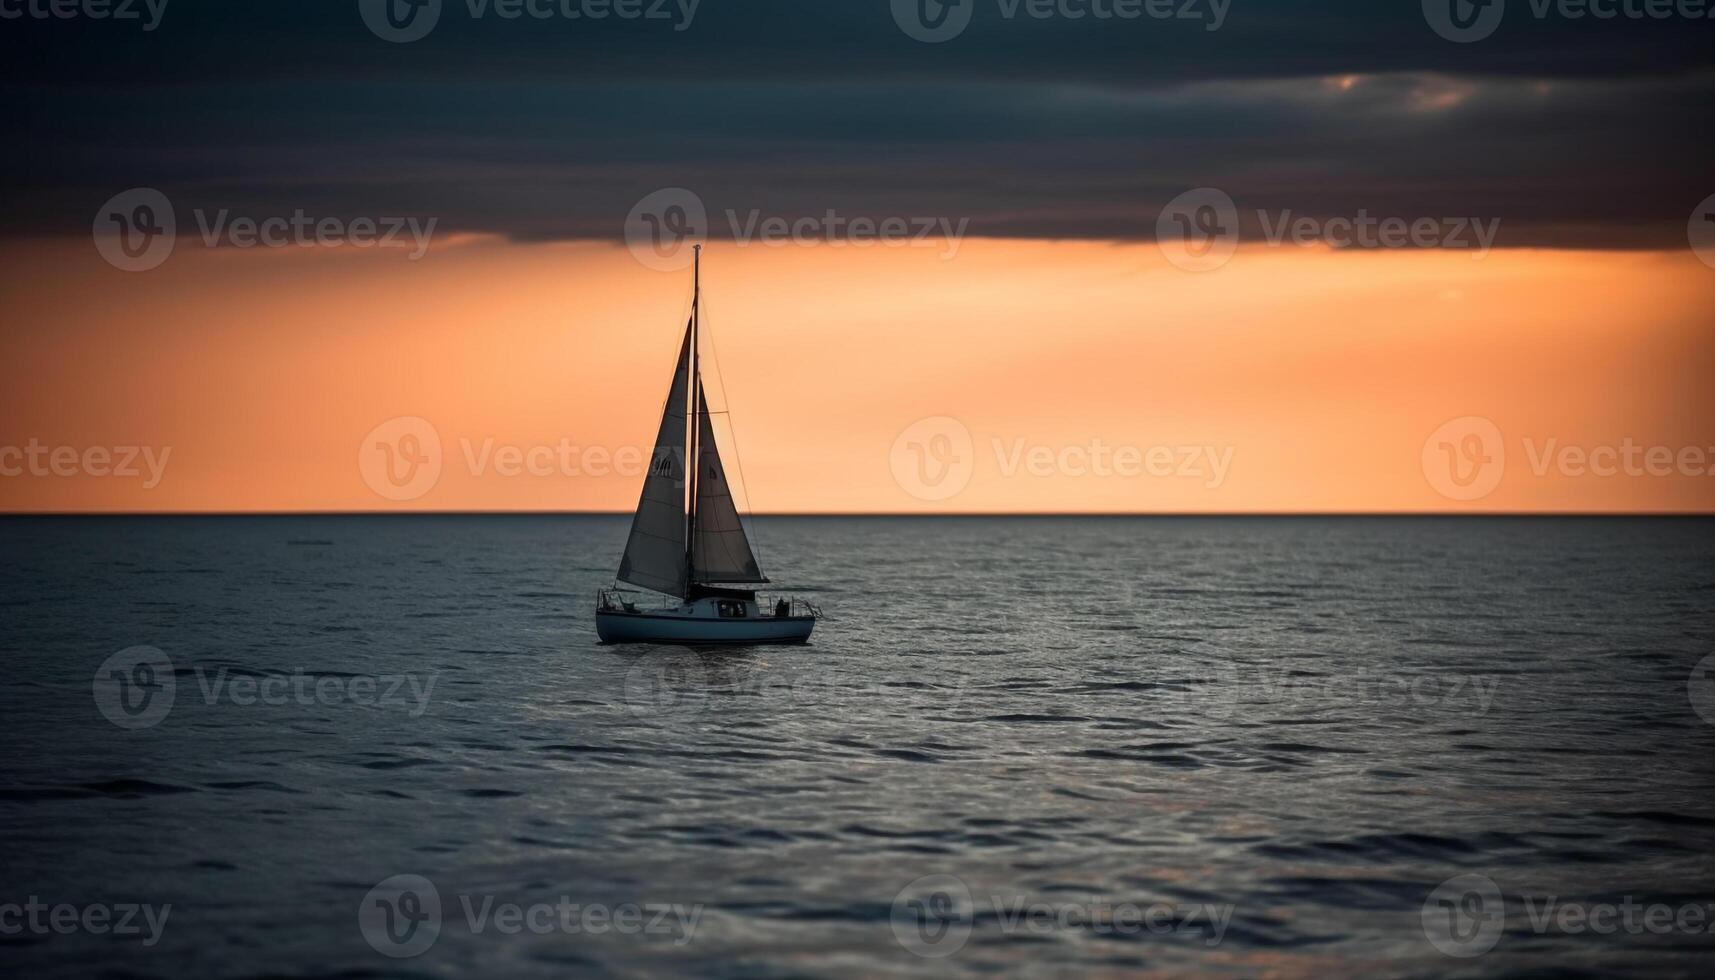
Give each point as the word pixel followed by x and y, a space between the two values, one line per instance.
pixel 669 626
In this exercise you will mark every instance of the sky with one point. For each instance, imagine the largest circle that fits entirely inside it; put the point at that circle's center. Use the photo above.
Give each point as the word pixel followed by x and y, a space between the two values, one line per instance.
pixel 1268 256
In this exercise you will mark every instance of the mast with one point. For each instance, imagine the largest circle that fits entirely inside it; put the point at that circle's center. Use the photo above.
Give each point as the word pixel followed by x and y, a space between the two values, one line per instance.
pixel 692 461
pixel 717 550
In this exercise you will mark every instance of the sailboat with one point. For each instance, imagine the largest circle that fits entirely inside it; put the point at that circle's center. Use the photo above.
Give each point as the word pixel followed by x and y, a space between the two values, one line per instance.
pixel 687 542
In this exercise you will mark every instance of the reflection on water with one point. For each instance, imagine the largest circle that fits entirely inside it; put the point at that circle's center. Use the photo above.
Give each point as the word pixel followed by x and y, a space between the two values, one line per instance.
pixel 1073 746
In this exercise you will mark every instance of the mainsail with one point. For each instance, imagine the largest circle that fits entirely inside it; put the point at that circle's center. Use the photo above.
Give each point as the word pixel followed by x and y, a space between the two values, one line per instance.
pixel 655 553
pixel 720 552
pixel 682 538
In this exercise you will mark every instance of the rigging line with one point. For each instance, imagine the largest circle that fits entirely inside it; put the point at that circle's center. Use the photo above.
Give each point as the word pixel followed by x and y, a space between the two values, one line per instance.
pixel 738 457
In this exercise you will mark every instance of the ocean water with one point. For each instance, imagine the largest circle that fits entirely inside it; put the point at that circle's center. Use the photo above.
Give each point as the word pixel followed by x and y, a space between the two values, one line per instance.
pixel 1044 747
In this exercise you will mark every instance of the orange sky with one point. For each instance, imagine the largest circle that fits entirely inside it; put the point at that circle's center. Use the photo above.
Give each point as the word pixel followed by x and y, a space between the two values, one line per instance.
pixel 1317 376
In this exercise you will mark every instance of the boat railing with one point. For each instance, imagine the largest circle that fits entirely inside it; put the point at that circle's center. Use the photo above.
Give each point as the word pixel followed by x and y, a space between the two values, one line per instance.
pixel 796 608
pixel 767 607
pixel 617 600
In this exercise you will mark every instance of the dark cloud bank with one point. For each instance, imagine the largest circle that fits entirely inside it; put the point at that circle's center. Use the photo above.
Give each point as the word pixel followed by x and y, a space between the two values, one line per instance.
pixel 1586 133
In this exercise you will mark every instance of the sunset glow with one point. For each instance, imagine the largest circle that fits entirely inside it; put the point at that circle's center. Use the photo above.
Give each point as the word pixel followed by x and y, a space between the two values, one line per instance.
pixel 1317 374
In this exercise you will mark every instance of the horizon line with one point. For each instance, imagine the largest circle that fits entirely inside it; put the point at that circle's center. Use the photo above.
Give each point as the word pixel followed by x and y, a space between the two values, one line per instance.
pixel 866 514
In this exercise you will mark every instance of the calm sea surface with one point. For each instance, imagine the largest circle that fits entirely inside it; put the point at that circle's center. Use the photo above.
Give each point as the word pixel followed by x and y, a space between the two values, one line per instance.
pixel 1110 746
